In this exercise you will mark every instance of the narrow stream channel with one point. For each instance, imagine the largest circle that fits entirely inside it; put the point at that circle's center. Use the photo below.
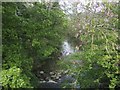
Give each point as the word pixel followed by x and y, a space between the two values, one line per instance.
pixel 55 78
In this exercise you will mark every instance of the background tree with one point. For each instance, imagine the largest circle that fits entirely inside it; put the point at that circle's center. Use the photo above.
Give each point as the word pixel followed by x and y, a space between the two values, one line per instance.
pixel 32 34
pixel 96 64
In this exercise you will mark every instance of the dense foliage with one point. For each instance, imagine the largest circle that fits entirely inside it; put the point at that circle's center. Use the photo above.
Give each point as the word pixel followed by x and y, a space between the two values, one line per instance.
pixel 96 63
pixel 31 34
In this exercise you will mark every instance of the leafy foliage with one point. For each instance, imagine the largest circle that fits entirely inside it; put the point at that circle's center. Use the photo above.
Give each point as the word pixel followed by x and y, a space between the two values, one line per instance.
pixel 32 36
pixel 32 33
pixel 14 79
pixel 97 61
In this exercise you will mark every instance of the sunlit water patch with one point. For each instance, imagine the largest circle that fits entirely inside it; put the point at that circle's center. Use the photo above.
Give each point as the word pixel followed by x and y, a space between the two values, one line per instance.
pixel 67 48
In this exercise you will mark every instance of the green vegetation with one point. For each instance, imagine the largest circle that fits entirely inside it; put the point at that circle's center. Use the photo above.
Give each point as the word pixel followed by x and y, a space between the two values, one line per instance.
pixel 32 35
pixel 98 47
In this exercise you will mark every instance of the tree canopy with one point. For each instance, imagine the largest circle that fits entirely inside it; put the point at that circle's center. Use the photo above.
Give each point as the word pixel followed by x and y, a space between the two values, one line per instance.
pixel 33 33
pixel 96 38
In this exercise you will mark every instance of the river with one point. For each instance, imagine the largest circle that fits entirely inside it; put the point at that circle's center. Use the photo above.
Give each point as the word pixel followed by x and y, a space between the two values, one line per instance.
pixel 55 78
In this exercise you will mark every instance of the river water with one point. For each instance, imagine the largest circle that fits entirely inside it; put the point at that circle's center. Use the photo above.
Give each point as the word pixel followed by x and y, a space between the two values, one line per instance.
pixel 55 78
pixel 67 48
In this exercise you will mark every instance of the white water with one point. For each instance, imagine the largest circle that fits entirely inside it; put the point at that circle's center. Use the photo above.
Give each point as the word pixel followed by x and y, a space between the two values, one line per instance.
pixel 67 48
